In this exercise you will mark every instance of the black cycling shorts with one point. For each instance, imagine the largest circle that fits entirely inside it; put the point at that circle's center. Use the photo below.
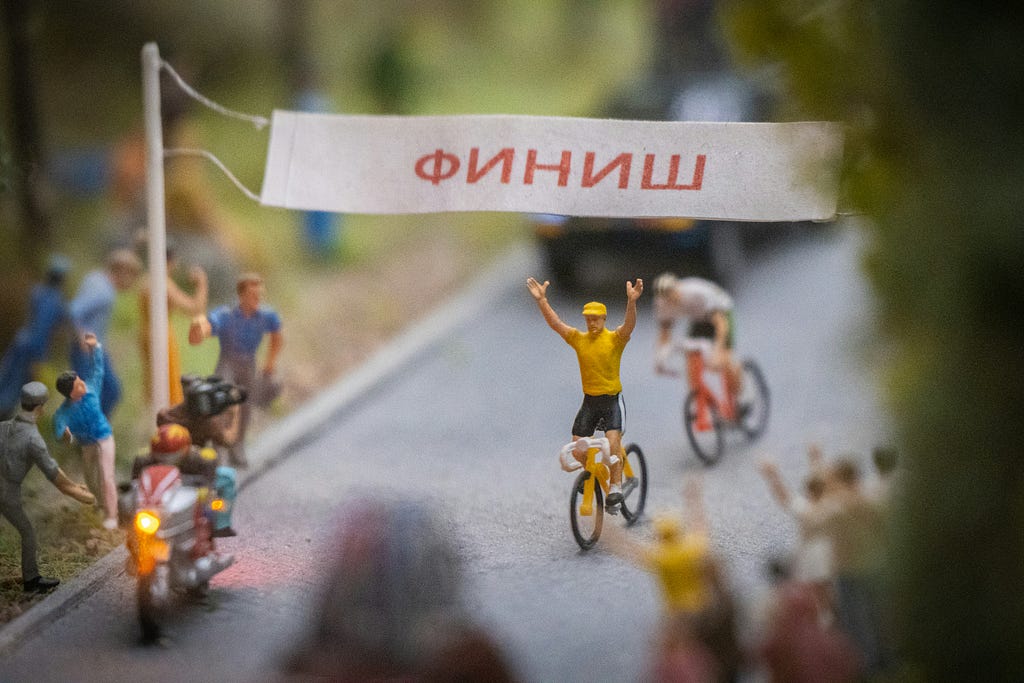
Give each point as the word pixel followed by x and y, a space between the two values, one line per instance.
pixel 598 413
pixel 705 329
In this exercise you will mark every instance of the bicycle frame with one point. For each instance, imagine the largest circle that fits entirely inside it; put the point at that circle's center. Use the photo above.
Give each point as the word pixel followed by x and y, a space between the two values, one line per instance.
pixel 726 407
pixel 600 472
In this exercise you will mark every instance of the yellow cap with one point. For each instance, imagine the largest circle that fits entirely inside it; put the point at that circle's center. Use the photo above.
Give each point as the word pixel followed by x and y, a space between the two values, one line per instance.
pixel 595 308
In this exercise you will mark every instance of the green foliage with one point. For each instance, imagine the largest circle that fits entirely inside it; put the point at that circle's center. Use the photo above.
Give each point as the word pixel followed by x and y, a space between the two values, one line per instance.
pixel 930 96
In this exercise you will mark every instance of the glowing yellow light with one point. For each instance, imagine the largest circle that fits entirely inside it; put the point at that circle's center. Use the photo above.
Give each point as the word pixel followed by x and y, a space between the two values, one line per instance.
pixel 217 505
pixel 146 522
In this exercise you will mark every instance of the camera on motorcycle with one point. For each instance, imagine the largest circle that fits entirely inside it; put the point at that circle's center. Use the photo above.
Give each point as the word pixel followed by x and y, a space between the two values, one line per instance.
pixel 212 395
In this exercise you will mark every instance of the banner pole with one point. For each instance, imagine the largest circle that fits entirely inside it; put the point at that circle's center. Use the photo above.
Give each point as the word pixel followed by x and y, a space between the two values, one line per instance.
pixel 157 242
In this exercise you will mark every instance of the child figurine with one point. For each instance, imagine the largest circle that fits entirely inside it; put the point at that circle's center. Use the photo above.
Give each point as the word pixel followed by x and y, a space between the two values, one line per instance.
pixel 599 351
pixel 21 447
pixel 81 418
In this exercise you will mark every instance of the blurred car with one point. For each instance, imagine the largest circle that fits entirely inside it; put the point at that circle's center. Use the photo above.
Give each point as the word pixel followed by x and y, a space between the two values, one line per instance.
pixel 594 253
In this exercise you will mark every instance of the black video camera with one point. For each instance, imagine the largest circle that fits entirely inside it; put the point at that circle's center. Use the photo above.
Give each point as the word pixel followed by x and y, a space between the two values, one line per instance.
pixel 209 396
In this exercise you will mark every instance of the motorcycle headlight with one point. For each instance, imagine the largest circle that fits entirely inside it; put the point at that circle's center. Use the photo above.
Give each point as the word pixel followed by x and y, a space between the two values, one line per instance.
pixel 146 522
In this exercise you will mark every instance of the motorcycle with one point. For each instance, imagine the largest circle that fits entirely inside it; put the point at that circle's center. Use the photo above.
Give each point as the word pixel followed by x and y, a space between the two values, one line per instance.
pixel 168 521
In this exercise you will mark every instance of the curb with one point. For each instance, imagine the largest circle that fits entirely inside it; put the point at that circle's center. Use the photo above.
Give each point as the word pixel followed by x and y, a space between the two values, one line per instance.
pixel 276 442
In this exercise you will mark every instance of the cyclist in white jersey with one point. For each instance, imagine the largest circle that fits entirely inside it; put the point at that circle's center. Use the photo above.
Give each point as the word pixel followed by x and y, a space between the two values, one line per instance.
pixel 709 310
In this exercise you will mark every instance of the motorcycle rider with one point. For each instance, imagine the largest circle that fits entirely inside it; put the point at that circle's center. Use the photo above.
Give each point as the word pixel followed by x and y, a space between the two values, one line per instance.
pixel 172 445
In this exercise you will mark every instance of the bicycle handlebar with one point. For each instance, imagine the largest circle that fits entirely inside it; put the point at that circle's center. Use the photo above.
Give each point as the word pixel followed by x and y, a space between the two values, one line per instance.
pixel 570 463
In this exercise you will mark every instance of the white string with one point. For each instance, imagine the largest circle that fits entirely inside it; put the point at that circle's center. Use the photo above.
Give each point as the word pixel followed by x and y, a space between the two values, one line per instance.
pixel 259 121
pixel 217 162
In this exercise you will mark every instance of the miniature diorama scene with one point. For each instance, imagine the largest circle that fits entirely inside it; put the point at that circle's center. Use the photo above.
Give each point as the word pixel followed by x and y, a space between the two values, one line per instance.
pixel 280 398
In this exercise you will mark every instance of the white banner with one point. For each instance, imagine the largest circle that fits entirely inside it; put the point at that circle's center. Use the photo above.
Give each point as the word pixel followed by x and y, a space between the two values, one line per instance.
pixel 569 166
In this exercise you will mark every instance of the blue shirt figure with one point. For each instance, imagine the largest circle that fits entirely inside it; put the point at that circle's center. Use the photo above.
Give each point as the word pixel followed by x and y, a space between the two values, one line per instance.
pixel 46 312
pixel 240 329
pixel 91 310
pixel 80 413
pixel 240 334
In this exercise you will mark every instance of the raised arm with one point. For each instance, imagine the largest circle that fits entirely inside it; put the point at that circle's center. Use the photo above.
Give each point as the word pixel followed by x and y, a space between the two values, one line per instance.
pixel 273 350
pixel 190 305
pixel 633 292
pixel 539 292
pixel 771 475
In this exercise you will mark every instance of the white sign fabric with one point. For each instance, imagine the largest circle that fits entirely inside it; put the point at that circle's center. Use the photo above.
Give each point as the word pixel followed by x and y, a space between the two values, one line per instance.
pixel 568 166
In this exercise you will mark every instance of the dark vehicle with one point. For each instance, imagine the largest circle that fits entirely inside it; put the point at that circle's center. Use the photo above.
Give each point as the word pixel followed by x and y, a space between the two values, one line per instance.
pixel 594 253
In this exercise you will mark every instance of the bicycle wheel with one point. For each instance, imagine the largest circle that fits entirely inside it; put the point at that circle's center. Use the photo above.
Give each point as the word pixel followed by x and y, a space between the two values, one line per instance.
pixel 754 401
pixel 586 529
pixel 707 440
pixel 634 489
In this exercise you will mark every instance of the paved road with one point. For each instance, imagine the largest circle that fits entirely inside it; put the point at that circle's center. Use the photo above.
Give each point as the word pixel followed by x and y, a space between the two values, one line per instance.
pixel 472 425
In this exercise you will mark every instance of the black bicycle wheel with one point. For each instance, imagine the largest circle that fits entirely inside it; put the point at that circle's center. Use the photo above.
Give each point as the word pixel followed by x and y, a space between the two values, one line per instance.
pixel 708 442
pixel 634 489
pixel 586 529
pixel 753 405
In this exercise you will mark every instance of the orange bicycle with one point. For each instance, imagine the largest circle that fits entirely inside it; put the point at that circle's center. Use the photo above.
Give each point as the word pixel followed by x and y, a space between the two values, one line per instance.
pixel 707 416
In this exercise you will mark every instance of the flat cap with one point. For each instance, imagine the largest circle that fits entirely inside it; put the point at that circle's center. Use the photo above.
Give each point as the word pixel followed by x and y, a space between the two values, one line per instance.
pixel 34 394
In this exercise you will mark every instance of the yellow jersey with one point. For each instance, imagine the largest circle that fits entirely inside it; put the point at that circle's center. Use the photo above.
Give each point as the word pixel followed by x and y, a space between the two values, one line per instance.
pixel 599 356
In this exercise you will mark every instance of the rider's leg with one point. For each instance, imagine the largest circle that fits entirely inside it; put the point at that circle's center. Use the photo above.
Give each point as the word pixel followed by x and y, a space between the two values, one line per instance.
pixel 615 447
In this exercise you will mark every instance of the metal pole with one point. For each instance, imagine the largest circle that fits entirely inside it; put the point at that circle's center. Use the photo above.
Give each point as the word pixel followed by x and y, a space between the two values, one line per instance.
pixel 160 388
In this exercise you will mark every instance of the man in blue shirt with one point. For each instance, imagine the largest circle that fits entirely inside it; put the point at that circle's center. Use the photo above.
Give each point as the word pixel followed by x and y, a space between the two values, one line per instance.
pixel 80 419
pixel 91 310
pixel 240 330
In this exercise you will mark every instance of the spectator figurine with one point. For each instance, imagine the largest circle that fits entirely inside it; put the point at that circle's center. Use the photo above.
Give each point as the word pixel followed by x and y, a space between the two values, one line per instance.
pixel 21 447
pixel 812 560
pixel 599 353
pixel 80 419
pixel 91 310
pixel 698 631
pixel 177 300
pixel 391 606
pixel 46 312
pixel 240 330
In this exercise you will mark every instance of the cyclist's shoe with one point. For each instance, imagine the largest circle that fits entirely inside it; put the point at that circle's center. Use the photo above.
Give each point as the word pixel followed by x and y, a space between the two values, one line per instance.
pixel 612 502
pixel 743 409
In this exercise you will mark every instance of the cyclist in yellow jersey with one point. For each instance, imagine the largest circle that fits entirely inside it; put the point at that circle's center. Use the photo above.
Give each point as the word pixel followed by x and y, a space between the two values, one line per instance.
pixel 599 351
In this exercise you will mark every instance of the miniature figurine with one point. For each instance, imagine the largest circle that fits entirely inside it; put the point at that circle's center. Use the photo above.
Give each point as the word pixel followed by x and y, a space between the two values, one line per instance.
pixel 80 419
pixel 240 330
pixel 599 351
pixel 211 411
pixel 698 605
pixel 21 447
pixel 177 300
pixel 710 311
pixel 91 310
pixel 172 445
pixel 812 561
pixel 46 312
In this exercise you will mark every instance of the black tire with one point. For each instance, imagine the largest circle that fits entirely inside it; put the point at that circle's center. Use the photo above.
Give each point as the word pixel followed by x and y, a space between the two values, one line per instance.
pixel 149 608
pixel 586 529
pixel 754 402
pixel 707 444
pixel 634 496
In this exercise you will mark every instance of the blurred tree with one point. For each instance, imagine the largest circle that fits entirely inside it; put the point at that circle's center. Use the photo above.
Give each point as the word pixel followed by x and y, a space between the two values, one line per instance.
pixel 27 150
pixel 930 93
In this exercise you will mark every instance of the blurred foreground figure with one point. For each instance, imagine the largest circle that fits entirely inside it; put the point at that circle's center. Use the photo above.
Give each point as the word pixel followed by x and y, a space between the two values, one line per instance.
pixel 698 637
pixel 390 607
